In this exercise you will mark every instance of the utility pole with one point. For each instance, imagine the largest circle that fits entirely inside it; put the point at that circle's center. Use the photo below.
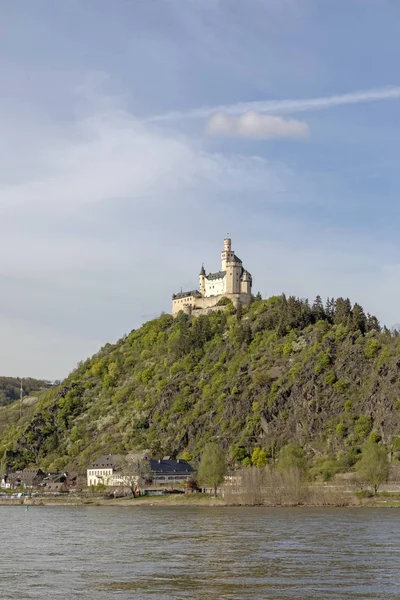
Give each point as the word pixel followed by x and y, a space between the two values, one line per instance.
pixel 20 401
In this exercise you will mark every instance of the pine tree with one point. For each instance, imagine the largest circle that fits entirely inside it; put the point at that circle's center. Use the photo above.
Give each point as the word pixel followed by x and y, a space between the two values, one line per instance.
pixel 318 310
pixel 342 311
pixel 330 308
pixel 372 323
pixel 358 318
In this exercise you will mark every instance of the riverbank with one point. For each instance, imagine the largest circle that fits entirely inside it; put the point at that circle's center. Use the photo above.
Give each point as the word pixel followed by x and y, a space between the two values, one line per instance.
pixel 384 500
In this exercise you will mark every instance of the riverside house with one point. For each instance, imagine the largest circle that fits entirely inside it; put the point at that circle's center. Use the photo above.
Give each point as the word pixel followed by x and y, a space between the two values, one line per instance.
pixel 26 478
pixel 105 470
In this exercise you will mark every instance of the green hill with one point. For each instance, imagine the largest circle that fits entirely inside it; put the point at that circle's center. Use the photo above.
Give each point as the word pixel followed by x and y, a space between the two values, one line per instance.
pixel 279 371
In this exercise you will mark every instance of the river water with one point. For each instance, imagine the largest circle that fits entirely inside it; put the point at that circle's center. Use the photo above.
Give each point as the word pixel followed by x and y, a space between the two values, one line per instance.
pixel 219 553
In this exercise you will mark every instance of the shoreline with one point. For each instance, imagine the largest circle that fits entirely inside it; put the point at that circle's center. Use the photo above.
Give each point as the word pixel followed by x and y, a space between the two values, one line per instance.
pixel 198 502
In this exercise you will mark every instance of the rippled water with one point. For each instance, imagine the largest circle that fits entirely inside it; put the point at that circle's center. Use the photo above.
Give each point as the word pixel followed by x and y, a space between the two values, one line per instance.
pixel 149 552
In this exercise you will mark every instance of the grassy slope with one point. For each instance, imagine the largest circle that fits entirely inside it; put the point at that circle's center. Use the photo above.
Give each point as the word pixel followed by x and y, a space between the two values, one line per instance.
pixel 273 376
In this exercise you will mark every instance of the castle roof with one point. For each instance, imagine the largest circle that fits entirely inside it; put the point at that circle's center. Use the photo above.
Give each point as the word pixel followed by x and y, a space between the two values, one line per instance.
pixel 194 293
pixel 218 275
pixel 202 270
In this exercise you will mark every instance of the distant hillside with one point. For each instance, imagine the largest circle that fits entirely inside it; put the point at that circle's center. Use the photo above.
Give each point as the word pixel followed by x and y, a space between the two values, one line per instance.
pixel 280 370
pixel 10 388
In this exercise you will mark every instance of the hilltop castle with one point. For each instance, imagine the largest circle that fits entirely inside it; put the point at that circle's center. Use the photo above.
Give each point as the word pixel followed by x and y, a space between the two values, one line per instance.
pixel 232 282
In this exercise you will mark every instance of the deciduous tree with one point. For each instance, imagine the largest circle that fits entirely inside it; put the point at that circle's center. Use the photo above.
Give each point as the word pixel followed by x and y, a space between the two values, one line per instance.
pixel 373 467
pixel 212 469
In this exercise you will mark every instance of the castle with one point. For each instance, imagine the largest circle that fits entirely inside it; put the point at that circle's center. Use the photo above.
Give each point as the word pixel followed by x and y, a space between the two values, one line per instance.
pixel 232 282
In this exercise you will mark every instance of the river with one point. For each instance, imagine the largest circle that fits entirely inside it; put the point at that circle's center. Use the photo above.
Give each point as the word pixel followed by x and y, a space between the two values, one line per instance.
pixel 220 553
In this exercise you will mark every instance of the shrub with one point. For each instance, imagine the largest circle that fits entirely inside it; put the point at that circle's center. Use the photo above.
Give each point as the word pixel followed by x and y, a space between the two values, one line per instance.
pixel 372 348
pixel 259 457
pixel 330 378
pixel 341 385
pixel 292 456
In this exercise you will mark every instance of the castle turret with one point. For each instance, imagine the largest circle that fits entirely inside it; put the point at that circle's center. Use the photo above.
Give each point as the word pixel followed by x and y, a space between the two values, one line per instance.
pixel 202 281
pixel 227 254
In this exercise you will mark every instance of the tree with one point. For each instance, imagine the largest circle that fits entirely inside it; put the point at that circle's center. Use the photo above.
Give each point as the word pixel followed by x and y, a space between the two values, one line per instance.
pixel 292 456
pixel 373 467
pixel 359 320
pixel 133 472
pixel 342 311
pixel 318 310
pixel 372 323
pixel 330 308
pixel 212 467
pixel 259 457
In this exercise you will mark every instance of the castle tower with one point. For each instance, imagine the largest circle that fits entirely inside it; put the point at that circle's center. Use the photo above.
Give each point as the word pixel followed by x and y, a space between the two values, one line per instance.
pixel 227 254
pixel 245 284
pixel 202 281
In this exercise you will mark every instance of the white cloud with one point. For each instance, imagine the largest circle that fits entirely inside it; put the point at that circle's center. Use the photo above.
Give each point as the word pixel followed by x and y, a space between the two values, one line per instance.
pixel 285 106
pixel 253 125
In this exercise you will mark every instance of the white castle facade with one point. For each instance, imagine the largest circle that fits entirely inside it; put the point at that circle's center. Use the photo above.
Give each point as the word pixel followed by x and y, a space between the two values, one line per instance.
pixel 232 282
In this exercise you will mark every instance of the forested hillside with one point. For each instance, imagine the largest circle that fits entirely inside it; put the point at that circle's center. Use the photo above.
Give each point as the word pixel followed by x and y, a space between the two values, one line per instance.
pixel 10 388
pixel 279 371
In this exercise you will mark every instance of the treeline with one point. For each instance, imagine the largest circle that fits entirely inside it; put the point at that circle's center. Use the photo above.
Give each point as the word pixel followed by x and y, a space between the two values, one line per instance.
pixel 286 313
pixel 10 388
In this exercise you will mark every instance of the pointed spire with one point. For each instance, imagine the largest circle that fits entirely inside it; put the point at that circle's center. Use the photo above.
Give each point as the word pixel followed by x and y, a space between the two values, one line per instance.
pixel 202 270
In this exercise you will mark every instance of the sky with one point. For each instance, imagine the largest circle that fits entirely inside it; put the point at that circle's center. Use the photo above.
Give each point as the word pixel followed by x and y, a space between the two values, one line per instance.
pixel 135 135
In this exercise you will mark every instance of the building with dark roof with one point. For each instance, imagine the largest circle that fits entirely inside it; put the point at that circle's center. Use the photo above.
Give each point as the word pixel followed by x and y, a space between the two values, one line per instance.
pixel 232 282
pixel 168 471
pixel 27 478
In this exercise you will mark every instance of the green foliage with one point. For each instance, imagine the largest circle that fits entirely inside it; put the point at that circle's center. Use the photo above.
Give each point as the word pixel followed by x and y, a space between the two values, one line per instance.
pixel 330 378
pixel 292 456
pixel 373 467
pixel 325 468
pixel 324 359
pixel 341 386
pixel 372 348
pixel 259 457
pixel 362 427
pixel 340 429
pixel 213 467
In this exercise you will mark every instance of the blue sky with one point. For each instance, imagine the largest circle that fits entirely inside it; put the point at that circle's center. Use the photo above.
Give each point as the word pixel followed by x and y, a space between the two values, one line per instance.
pixel 136 134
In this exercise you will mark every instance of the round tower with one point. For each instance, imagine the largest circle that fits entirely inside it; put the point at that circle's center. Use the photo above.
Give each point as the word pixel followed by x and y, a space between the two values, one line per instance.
pixel 202 281
pixel 227 244
pixel 227 254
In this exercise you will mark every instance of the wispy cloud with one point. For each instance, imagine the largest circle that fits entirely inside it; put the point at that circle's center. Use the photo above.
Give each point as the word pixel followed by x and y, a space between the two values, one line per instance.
pixel 285 106
pixel 255 126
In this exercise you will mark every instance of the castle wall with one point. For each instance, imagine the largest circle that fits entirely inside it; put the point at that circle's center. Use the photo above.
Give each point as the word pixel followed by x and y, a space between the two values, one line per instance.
pixel 203 306
pixel 184 304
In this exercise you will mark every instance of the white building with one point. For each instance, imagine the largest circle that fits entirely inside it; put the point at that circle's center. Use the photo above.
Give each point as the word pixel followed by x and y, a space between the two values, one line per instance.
pixel 105 470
